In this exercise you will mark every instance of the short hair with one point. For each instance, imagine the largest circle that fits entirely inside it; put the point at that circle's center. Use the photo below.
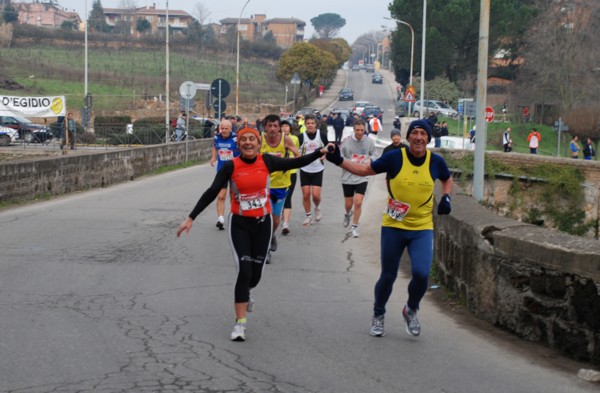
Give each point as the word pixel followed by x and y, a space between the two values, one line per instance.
pixel 272 118
pixel 360 122
pixel 310 117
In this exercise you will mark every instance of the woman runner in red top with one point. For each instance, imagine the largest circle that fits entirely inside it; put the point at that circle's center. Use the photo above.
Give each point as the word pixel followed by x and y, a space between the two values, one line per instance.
pixel 250 224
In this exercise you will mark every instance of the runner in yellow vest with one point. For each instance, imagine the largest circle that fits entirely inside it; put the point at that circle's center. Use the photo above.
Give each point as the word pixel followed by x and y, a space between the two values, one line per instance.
pixel 276 143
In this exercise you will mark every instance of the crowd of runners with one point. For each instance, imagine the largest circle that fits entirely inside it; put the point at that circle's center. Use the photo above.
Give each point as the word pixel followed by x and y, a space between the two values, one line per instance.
pixel 260 170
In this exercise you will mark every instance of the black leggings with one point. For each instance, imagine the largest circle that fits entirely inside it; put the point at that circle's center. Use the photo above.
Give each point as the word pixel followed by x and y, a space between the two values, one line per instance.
pixel 250 242
pixel 290 191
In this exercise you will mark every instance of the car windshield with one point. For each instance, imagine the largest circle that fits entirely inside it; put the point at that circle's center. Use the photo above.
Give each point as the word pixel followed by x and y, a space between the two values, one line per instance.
pixel 442 104
pixel 21 119
pixel 346 91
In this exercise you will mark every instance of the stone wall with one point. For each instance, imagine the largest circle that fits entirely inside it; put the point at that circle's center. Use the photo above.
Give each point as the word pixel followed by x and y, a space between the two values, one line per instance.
pixel 540 284
pixel 33 178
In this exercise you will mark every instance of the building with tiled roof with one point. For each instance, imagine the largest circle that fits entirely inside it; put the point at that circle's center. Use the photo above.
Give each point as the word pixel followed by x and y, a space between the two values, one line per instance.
pixel 286 31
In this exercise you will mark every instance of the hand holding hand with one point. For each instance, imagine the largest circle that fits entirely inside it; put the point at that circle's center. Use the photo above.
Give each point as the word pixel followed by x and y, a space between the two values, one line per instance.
pixel 334 156
pixel 444 205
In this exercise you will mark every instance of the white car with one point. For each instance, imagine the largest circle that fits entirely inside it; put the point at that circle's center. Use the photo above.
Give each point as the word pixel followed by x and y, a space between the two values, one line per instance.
pixel 437 107
pixel 8 136
pixel 359 106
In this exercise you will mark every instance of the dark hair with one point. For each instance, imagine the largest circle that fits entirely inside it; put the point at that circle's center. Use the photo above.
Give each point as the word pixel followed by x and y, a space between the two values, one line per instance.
pixel 272 118
pixel 359 122
pixel 309 117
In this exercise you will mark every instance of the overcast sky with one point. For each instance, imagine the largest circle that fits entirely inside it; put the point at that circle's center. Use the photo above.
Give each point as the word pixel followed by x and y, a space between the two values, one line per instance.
pixel 361 16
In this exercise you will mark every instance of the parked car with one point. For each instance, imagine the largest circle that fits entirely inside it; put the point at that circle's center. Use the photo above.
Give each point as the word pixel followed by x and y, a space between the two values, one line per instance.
pixel 377 78
pixel 437 107
pixel 346 94
pixel 7 136
pixel 372 110
pixel 27 131
pixel 401 107
pixel 306 111
pixel 359 106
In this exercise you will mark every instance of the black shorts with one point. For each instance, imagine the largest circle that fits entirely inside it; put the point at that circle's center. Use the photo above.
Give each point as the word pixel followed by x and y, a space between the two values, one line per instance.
pixel 311 179
pixel 351 189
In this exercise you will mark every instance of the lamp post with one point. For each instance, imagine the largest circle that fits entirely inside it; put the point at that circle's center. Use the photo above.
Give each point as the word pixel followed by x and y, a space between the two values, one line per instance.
pixel 423 37
pixel 412 54
pixel 167 73
pixel 237 62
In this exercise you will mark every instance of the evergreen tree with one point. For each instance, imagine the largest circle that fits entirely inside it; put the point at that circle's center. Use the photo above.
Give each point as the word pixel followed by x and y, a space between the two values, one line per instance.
pixel 97 20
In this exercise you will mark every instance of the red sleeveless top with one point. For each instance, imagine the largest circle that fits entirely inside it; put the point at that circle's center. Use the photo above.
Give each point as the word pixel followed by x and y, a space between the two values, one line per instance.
pixel 250 188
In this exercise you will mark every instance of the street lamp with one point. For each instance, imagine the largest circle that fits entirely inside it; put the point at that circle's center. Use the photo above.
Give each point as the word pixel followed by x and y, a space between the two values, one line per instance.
pixel 423 38
pixel 237 62
pixel 412 54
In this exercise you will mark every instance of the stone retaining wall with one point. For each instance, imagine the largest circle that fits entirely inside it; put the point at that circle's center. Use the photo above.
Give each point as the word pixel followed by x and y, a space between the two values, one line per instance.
pixel 30 179
pixel 540 284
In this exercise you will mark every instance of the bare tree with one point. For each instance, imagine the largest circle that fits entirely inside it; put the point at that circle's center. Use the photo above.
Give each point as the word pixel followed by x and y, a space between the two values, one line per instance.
pixel 201 12
pixel 561 57
pixel 125 26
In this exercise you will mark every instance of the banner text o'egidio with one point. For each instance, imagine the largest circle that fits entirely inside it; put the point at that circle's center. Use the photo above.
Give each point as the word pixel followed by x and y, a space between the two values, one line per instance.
pixel 26 102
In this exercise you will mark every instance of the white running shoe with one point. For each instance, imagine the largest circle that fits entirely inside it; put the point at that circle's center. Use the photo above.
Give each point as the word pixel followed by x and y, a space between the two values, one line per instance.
pixel 307 220
pixel 354 231
pixel 377 327
pixel 239 332
pixel 318 214
pixel 413 327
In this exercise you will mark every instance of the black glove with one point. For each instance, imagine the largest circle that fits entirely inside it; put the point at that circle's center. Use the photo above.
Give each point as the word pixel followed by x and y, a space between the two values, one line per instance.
pixel 334 155
pixel 444 205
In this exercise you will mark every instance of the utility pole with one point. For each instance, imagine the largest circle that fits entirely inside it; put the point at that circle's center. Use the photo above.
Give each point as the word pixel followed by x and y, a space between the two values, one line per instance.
pixel 482 67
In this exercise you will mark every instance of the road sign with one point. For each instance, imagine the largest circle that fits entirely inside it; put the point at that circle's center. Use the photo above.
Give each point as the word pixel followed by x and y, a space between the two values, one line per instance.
pixel 489 114
pixel 409 96
pixel 187 90
pixel 295 79
pixel 220 88
pixel 219 105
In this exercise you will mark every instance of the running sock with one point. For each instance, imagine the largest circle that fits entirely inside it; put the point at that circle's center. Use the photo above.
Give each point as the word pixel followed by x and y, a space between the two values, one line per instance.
pixel 308 214
pixel 221 219
pixel 240 320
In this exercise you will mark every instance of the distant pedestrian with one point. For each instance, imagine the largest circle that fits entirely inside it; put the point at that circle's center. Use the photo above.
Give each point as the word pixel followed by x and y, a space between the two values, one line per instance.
pixel 588 149
pixel 437 135
pixel 69 136
pixel 525 114
pixel 375 125
pixel 338 127
pixel 534 138
pixel 504 112
pixel 180 128
pixel 396 137
pixel 506 140
pixel 574 147
pixel 208 127
pixel 397 123
pixel 444 128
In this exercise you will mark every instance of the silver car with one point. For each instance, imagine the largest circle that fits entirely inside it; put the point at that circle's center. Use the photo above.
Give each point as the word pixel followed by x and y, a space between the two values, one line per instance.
pixel 437 107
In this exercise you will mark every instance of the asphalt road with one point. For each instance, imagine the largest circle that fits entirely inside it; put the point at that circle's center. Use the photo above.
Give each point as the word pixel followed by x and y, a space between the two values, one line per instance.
pixel 98 295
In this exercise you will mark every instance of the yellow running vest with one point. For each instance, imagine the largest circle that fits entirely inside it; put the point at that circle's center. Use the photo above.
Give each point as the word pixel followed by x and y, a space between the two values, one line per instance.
pixel 279 179
pixel 410 197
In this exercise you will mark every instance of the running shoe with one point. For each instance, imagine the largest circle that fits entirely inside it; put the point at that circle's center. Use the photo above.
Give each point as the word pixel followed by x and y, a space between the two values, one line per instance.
pixel 268 260
pixel 250 306
pixel 377 327
pixel 354 231
pixel 239 332
pixel 413 327
pixel 307 220
pixel 274 243
pixel 220 225
pixel 347 217
pixel 318 214
pixel 285 231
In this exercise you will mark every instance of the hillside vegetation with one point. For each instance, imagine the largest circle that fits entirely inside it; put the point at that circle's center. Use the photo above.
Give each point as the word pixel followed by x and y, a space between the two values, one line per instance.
pixel 118 77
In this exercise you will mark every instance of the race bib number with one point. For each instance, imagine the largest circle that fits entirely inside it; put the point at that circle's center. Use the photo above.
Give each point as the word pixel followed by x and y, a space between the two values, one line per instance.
pixel 397 209
pixel 359 158
pixel 253 201
pixel 225 155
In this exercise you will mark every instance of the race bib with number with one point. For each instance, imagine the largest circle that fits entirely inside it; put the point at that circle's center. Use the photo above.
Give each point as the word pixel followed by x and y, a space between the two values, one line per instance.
pixel 257 200
pixel 225 155
pixel 397 209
